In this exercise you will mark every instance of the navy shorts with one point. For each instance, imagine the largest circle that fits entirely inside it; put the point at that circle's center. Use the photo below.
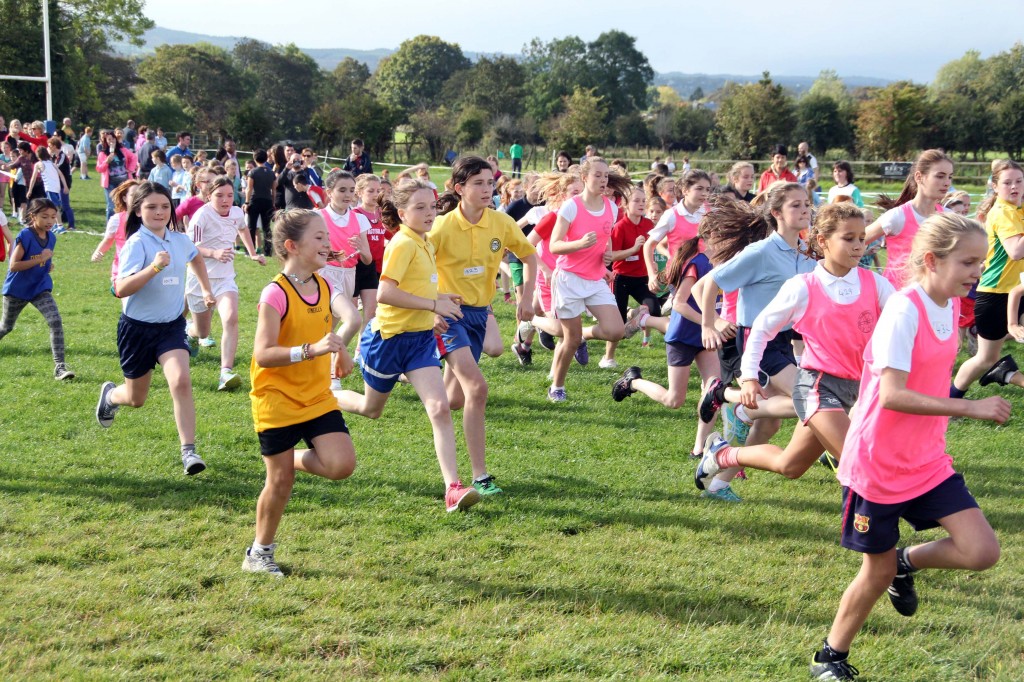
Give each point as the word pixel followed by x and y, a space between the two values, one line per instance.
pixel 140 344
pixel 778 354
pixel 284 438
pixel 367 276
pixel 874 528
pixel 383 360
pixel 729 362
pixel 681 354
pixel 468 332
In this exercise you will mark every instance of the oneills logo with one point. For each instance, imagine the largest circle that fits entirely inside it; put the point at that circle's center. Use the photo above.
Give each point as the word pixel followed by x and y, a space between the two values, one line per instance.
pixel 861 523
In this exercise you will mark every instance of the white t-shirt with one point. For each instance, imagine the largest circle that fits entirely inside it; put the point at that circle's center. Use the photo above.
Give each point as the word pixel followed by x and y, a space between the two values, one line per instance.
pixel 892 220
pixel 534 215
pixel 568 211
pixel 813 162
pixel 667 222
pixel 342 219
pixel 892 343
pixel 112 224
pixel 211 230
pixel 50 176
pixel 790 304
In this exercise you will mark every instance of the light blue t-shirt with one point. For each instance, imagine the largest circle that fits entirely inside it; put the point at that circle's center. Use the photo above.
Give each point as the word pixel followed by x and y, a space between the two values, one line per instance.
pixel 161 174
pixel 758 272
pixel 162 299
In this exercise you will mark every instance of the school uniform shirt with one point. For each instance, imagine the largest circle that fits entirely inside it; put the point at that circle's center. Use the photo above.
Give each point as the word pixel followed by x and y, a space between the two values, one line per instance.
pixel 849 190
pixel 211 230
pixel 162 299
pixel 161 174
pixel 1002 273
pixel 300 391
pixel 409 262
pixel 624 235
pixel 790 304
pixel 758 272
pixel 376 236
pixel 27 284
pixel 468 256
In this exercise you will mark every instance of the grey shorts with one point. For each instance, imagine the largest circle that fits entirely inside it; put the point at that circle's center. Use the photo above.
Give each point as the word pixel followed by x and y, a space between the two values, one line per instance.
pixel 815 391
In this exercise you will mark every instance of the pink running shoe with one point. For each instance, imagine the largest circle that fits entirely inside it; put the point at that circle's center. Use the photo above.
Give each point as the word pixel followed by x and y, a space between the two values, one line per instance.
pixel 460 497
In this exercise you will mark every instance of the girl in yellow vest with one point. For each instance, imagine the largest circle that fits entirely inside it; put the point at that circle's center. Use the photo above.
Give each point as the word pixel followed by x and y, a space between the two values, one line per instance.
pixel 291 378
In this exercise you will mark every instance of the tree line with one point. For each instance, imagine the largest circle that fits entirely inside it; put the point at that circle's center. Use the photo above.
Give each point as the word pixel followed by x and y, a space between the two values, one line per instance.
pixel 563 93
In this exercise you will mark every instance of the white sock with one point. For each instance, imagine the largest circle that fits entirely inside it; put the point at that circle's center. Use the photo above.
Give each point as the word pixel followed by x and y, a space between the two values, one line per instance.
pixel 717 484
pixel 741 414
pixel 262 549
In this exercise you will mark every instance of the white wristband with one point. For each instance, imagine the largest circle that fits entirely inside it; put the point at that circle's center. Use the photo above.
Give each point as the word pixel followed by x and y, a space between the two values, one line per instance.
pixel 296 353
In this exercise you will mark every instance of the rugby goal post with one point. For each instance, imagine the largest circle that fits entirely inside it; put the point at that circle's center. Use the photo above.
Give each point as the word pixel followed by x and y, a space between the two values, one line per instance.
pixel 46 64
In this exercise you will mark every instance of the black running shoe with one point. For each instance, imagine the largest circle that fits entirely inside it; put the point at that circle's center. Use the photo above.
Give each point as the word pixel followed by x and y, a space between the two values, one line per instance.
pixel 711 401
pixel 546 340
pixel 623 388
pixel 901 592
pixel 1000 373
pixel 523 354
pixel 832 670
pixel 829 462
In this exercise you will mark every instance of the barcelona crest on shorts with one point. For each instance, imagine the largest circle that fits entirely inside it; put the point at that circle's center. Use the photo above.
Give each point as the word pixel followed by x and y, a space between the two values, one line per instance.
pixel 861 523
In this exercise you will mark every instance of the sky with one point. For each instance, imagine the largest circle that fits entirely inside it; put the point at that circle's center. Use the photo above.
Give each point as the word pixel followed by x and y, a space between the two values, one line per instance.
pixel 891 39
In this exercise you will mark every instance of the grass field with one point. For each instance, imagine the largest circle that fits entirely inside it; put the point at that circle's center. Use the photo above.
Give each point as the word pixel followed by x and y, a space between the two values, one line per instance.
pixel 600 561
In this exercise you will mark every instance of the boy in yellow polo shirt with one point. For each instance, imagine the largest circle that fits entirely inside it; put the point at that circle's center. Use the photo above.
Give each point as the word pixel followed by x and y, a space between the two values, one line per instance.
pixel 469 241
pixel 400 339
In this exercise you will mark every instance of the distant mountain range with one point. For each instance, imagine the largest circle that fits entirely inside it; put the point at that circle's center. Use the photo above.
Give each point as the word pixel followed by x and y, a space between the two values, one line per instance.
pixel 328 58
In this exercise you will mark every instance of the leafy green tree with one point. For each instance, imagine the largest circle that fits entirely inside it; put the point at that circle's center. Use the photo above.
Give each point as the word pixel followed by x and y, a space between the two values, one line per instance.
pixel 619 71
pixel 250 124
pixel 284 79
pixel 436 129
pixel 582 122
pixel 370 120
pixel 891 122
pixel 469 129
pixel 829 84
pixel 494 85
pixel 201 75
pixel 1009 124
pixel 552 71
pixel 754 117
pixel 411 79
pixel 350 75
pixel 820 122
pixel 691 128
pixel 160 109
pixel 632 130
pixel 697 95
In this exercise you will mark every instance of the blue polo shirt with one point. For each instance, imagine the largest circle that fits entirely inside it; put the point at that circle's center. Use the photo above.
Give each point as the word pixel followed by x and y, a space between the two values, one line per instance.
pixel 163 297
pixel 758 272
pixel 27 284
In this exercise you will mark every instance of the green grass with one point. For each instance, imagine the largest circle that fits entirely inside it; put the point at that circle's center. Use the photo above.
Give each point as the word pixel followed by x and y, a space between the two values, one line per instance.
pixel 600 561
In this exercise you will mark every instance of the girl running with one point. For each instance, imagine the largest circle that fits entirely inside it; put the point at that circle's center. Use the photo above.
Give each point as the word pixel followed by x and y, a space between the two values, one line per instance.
pixel 368 274
pixel 1004 269
pixel 45 172
pixel 151 331
pixel 580 240
pixel 835 308
pixel 290 375
pixel 759 249
pixel 925 187
pixel 213 229
pixel 400 339
pixel 894 459
pixel 469 240
pixel 28 279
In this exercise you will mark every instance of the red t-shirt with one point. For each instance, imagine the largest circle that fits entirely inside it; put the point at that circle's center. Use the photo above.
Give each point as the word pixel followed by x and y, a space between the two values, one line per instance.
pixel 624 235
pixel 377 237
pixel 769 176
pixel 544 228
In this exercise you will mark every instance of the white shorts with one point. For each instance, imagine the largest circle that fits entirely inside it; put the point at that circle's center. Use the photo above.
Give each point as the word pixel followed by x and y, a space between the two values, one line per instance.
pixel 218 285
pixel 342 279
pixel 571 294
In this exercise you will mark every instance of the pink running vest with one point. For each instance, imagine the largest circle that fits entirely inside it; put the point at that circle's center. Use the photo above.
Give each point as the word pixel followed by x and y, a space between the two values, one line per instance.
pixel 340 235
pixel 119 240
pixel 897 248
pixel 682 231
pixel 836 334
pixel 588 263
pixel 891 457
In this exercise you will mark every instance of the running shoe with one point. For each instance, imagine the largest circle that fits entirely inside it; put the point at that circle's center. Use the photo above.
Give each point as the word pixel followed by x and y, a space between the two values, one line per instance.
pixel 208 342
pixel 1000 373
pixel 62 373
pixel 829 462
pixel 261 562
pixel 724 495
pixel 832 670
pixel 486 486
pixel 712 399
pixel 582 354
pixel 557 395
pixel 523 353
pixel 633 320
pixel 901 592
pixel 105 410
pixel 193 345
pixel 735 430
pixel 546 340
pixel 623 388
pixel 708 466
pixel 193 463
pixel 229 381
pixel 608 363
pixel 460 497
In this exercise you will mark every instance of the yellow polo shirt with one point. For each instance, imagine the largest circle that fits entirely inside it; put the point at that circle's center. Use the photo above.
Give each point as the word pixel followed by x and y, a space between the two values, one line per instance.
pixel 409 262
pixel 468 255
pixel 1002 273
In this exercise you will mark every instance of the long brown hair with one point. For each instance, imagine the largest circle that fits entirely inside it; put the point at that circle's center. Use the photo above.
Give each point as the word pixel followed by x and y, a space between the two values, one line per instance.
pixel 923 165
pixel 730 226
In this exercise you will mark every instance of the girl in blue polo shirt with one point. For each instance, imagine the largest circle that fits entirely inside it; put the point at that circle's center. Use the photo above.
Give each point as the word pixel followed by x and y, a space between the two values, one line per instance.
pixel 151 331
pixel 28 279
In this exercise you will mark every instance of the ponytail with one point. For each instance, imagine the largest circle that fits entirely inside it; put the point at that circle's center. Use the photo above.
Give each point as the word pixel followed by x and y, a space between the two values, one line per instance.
pixel 684 254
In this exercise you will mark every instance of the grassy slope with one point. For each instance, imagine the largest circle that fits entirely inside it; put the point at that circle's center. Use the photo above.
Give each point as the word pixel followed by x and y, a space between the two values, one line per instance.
pixel 600 561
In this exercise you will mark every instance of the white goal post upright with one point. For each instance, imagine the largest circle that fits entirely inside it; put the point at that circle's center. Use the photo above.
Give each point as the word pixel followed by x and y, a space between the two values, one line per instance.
pixel 46 63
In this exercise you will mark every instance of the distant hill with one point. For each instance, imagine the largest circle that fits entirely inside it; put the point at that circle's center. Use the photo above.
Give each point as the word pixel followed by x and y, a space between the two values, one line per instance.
pixel 328 58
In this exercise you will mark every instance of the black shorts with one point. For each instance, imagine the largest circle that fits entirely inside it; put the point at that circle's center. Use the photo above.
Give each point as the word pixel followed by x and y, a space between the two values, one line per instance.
pixel 778 354
pixel 874 528
pixel 367 276
pixel 729 362
pixel 140 344
pixel 283 438
pixel 681 354
pixel 990 315
pixel 626 287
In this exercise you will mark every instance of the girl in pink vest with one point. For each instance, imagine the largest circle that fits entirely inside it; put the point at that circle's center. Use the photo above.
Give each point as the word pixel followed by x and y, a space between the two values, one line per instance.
pixel 580 240
pixel 115 234
pixel 894 462
pixel 679 223
pixel 350 245
pixel 927 184
pixel 835 307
